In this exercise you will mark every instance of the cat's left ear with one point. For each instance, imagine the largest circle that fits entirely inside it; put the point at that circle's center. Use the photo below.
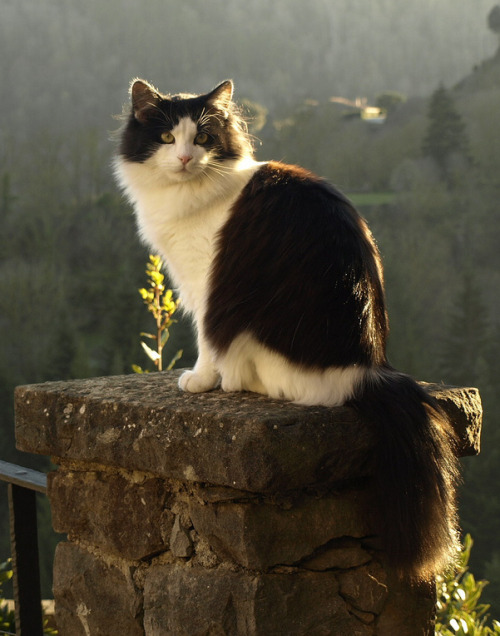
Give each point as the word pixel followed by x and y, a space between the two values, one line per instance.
pixel 144 99
pixel 221 96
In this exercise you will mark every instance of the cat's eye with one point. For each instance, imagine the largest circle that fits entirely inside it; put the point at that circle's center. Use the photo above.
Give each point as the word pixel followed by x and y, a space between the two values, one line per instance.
pixel 201 138
pixel 167 138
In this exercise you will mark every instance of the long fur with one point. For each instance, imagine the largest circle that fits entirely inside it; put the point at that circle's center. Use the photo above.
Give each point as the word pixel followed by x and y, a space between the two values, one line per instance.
pixel 416 473
pixel 284 283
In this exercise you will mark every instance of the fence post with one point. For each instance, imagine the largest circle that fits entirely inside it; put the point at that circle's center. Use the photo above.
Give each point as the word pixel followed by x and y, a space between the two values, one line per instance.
pixel 24 545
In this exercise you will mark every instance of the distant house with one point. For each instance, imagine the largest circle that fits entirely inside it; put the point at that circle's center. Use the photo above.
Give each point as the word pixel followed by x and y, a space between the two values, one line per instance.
pixel 359 109
pixel 373 115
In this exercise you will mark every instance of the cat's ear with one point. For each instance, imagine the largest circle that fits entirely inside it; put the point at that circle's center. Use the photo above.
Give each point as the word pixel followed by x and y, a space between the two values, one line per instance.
pixel 144 99
pixel 221 96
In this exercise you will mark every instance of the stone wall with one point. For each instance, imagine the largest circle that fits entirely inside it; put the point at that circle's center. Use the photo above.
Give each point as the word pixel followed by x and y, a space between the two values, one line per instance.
pixel 216 514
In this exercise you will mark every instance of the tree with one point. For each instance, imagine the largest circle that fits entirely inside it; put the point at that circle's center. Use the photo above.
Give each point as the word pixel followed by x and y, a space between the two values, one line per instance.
pixel 446 137
pixel 465 346
pixel 494 19
pixel 390 100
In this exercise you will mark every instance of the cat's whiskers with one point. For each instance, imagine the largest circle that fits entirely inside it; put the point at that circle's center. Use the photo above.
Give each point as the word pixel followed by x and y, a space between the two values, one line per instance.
pixel 204 118
pixel 212 177
pixel 218 168
pixel 214 171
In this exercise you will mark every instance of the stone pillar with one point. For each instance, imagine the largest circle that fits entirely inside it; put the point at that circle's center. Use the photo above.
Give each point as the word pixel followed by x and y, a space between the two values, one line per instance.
pixel 216 514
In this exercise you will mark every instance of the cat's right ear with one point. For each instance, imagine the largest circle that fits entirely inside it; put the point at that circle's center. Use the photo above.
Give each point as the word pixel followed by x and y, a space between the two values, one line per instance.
pixel 144 99
pixel 221 96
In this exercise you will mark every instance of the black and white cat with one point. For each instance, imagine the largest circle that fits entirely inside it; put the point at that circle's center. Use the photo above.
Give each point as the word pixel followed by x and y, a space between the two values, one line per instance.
pixel 284 283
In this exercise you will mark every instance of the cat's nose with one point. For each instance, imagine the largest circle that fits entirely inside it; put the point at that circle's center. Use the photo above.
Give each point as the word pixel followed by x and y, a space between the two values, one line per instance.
pixel 185 159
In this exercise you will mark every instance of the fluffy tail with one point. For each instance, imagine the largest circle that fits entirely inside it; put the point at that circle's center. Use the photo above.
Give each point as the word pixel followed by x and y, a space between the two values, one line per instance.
pixel 416 474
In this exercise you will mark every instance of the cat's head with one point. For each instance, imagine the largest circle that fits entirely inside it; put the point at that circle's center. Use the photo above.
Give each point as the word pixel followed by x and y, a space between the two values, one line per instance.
pixel 184 136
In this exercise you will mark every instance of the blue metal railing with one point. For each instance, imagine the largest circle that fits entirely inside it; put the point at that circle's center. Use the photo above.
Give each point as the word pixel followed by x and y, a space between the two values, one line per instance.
pixel 23 484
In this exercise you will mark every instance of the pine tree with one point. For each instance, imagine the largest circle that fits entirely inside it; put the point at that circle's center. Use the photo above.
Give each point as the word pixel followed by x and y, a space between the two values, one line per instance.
pixel 494 19
pixel 446 136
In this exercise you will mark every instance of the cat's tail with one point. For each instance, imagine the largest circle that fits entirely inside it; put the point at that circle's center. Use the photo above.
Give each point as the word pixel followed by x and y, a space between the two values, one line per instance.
pixel 416 476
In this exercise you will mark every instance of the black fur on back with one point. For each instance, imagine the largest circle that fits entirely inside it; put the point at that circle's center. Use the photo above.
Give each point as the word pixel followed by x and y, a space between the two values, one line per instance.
pixel 297 267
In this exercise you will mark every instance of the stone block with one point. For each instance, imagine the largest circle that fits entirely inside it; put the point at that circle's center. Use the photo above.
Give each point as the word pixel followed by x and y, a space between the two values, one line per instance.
pixel 365 588
pixel 344 553
pixel 122 516
pixel 261 535
pixel 410 609
pixel 463 407
pixel 244 441
pixel 181 601
pixel 180 542
pixel 93 597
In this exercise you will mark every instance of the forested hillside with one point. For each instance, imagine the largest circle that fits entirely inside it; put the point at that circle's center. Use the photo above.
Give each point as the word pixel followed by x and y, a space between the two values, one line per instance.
pixel 70 263
pixel 66 65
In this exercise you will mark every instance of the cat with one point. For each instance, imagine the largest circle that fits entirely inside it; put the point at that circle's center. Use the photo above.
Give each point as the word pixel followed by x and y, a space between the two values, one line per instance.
pixel 284 284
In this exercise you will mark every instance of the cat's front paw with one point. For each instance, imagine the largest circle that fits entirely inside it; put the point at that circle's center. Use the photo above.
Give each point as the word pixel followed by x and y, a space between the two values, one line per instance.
pixel 196 382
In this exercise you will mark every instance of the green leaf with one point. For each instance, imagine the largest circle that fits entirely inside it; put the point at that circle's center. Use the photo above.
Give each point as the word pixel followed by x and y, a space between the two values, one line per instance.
pixel 164 337
pixel 174 360
pixel 153 355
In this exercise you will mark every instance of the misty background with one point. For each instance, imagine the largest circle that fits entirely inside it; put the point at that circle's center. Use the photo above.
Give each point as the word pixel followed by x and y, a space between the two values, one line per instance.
pixel 425 173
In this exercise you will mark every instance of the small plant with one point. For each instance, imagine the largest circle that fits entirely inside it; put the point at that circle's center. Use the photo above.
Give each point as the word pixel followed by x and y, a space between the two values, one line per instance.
pixel 7 616
pixel 459 612
pixel 161 304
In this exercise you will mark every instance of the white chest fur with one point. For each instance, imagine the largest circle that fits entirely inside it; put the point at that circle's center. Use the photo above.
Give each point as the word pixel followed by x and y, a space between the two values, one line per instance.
pixel 180 220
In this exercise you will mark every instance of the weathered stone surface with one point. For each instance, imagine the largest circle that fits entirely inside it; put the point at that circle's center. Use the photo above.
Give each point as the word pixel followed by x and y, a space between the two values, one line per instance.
pixel 342 554
pixel 366 618
pixel 244 441
pixel 258 535
pixel 365 588
pixel 194 515
pixel 463 407
pixel 409 610
pixel 180 543
pixel 121 516
pixel 93 598
pixel 198 602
